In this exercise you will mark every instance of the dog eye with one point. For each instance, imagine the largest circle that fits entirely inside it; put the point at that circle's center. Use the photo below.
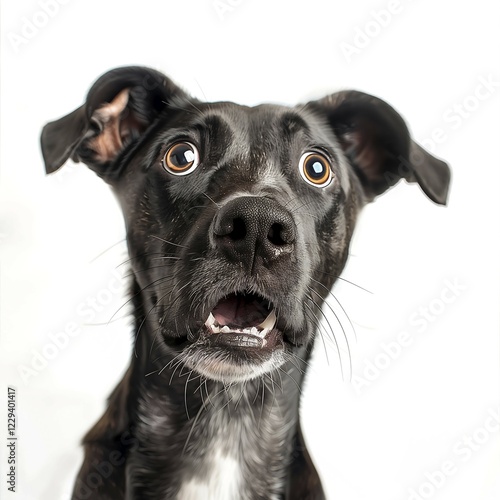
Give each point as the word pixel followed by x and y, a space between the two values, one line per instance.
pixel 315 169
pixel 181 158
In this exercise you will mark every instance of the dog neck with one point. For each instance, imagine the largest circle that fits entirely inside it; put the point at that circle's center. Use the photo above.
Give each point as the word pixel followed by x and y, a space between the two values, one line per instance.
pixel 190 430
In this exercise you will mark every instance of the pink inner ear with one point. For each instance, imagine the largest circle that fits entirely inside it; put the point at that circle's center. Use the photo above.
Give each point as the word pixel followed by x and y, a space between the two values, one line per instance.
pixel 109 142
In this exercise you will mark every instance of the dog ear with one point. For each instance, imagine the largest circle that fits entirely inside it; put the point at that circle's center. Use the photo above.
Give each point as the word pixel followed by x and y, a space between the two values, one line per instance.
pixel 119 107
pixel 377 142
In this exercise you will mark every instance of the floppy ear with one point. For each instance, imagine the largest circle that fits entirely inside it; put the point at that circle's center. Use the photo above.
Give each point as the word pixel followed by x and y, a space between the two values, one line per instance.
pixel 377 142
pixel 119 107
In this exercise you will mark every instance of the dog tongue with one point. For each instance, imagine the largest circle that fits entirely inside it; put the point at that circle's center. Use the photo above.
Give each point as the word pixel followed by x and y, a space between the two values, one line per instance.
pixel 243 311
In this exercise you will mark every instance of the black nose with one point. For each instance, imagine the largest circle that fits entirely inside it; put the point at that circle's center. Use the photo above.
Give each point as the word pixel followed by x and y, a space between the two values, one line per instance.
pixel 252 226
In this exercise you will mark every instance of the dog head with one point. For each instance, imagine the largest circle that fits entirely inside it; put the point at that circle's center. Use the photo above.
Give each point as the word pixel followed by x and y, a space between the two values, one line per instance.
pixel 238 218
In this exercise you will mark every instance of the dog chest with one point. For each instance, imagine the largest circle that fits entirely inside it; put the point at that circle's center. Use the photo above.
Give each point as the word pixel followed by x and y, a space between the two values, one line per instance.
pixel 223 481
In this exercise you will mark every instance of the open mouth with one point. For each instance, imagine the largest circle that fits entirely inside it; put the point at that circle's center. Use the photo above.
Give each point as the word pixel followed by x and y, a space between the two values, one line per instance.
pixel 241 339
pixel 243 320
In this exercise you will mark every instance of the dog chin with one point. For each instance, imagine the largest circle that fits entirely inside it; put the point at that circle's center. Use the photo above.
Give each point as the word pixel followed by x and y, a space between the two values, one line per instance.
pixel 229 366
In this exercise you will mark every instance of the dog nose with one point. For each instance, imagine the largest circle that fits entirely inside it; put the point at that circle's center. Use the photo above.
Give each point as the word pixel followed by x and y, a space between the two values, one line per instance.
pixel 249 226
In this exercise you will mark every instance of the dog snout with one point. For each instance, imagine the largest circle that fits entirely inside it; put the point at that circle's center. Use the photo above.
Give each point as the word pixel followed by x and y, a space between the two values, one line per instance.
pixel 251 226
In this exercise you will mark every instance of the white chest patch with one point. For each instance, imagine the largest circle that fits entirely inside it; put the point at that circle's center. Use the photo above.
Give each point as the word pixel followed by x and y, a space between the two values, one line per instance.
pixel 223 482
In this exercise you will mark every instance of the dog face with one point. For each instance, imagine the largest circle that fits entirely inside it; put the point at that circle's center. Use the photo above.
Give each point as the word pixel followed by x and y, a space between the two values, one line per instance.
pixel 238 218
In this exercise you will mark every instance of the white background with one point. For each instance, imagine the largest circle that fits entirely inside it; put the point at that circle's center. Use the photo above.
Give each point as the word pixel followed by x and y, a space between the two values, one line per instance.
pixel 62 235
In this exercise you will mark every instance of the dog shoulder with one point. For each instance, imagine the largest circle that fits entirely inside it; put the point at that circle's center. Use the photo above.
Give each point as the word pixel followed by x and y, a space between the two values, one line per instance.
pixel 303 479
pixel 115 420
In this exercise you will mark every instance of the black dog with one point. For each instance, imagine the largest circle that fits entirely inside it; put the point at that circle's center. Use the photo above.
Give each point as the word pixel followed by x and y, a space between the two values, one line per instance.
pixel 238 224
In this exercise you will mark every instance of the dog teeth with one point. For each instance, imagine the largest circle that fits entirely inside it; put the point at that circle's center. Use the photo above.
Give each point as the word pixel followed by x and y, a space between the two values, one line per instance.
pixel 210 321
pixel 258 331
pixel 269 322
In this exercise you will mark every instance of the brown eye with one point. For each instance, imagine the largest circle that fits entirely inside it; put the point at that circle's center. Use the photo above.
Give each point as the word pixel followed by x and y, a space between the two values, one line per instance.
pixel 181 158
pixel 315 169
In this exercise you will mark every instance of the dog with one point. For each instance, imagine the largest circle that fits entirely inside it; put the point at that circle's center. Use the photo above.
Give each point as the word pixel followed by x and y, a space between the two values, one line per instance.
pixel 238 223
